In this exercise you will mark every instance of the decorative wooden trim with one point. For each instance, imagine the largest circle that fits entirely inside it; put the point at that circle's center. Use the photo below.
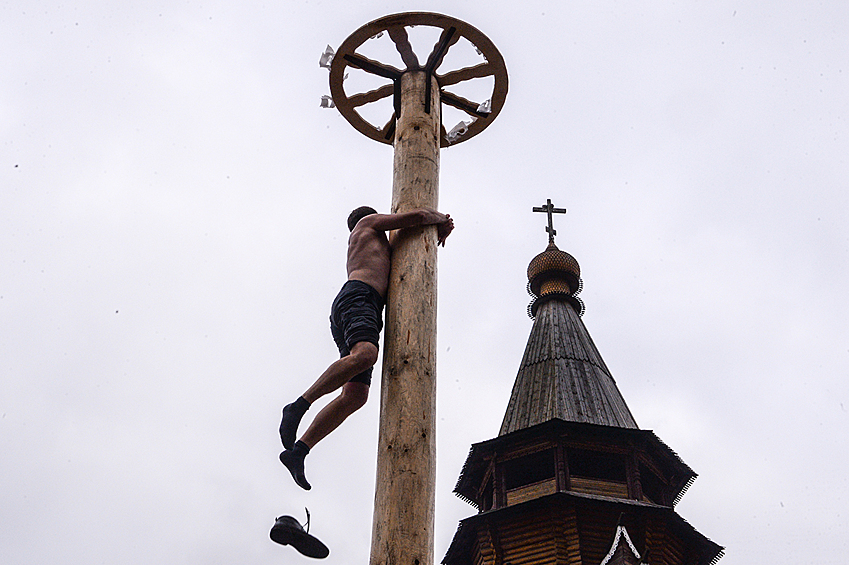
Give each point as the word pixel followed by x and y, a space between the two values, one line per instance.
pixel 633 470
pixel 561 468
pixel 498 553
pixel 500 487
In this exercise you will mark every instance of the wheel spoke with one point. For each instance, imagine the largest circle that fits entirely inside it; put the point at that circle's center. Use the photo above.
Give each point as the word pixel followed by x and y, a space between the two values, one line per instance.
pixel 389 129
pixel 398 35
pixel 372 95
pixel 460 75
pixel 372 66
pixel 471 108
pixel 448 38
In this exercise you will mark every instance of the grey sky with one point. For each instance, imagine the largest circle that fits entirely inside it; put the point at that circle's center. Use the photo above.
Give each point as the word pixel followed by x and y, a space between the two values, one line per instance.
pixel 173 204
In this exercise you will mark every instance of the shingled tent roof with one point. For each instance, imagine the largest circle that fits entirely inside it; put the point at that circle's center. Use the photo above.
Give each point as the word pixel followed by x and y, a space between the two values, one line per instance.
pixel 562 374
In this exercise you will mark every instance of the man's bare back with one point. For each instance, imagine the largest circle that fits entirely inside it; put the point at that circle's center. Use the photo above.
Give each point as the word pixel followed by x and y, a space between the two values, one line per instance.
pixel 369 250
pixel 369 256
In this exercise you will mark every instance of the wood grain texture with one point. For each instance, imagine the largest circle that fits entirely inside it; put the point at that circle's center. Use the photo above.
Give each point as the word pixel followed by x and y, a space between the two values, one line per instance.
pixel 402 531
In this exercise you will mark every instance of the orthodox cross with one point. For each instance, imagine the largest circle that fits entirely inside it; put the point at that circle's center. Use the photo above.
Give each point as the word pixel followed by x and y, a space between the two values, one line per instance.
pixel 549 209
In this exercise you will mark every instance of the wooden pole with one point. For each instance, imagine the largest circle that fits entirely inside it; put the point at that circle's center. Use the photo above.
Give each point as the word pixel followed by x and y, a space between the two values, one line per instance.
pixel 402 531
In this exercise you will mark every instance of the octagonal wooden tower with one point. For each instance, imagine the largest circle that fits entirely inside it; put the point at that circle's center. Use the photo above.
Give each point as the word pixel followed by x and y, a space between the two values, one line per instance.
pixel 571 479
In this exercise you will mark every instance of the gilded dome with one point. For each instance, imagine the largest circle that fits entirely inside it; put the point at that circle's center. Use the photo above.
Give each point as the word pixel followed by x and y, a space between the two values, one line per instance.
pixel 553 271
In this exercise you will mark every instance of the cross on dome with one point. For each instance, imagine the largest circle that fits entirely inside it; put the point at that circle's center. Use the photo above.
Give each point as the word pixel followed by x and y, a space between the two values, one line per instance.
pixel 549 209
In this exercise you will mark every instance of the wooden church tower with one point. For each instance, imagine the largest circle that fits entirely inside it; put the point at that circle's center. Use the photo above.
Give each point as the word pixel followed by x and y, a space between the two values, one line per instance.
pixel 571 479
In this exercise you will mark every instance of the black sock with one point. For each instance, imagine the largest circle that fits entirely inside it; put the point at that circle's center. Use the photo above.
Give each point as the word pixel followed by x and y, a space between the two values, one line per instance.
pixel 301 405
pixel 293 459
pixel 292 414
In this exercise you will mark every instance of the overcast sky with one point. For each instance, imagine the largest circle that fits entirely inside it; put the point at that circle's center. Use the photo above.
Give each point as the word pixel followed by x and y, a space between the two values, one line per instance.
pixel 172 233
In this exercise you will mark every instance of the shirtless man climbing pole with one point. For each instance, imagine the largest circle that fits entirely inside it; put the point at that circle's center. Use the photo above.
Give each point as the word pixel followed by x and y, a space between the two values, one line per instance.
pixel 355 322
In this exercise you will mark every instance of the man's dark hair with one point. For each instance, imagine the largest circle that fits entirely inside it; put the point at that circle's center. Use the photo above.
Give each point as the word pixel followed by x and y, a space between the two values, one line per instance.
pixel 358 214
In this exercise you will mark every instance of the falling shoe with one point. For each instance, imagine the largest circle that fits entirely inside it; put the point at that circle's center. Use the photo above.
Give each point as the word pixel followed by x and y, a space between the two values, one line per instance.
pixel 287 531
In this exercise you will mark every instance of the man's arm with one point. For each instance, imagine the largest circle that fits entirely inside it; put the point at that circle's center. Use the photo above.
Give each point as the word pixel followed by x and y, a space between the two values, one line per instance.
pixel 412 218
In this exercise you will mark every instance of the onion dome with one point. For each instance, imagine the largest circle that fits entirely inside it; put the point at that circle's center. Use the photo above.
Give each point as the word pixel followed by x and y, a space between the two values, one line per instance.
pixel 554 274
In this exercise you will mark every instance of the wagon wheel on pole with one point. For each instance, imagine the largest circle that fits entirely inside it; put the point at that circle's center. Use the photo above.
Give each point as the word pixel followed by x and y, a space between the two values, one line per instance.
pixel 481 112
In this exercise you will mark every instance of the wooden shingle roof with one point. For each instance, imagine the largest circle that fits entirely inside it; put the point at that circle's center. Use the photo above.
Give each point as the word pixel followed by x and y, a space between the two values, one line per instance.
pixel 562 375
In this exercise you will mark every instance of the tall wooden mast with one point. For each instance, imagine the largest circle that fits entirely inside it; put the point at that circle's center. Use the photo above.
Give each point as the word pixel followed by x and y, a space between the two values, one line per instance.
pixel 406 461
pixel 402 530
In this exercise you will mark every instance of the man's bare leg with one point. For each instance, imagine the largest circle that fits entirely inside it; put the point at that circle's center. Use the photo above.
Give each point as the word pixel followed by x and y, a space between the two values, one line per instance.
pixel 352 398
pixel 363 355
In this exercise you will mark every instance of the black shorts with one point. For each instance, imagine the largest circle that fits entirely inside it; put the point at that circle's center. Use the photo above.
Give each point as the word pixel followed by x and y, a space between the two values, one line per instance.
pixel 356 315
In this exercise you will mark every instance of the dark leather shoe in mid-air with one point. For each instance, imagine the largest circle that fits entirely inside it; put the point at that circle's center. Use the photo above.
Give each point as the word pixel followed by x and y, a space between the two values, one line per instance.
pixel 287 531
